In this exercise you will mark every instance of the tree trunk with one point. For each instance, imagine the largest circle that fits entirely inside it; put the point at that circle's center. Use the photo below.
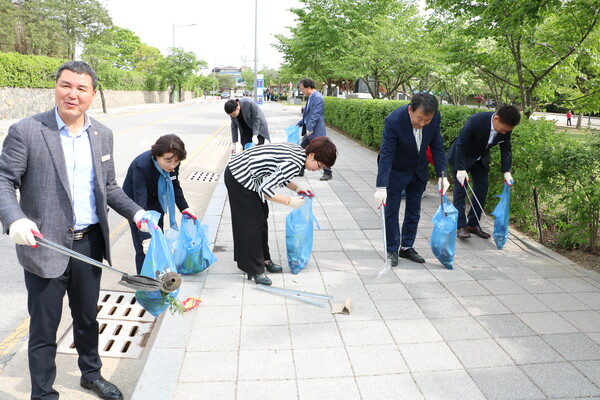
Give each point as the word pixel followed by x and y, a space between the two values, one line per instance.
pixel 102 99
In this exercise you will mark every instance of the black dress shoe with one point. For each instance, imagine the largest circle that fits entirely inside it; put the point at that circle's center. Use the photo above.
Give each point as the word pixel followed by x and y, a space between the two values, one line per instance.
pixel 462 233
pixel 412 255
pixel 393 257
pixel 103 388
pixel 261 279
pixel 476 230
pixel 273 268
pixel 326 177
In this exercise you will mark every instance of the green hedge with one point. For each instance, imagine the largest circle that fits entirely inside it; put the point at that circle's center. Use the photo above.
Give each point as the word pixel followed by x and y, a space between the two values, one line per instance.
pixel 17 70
pixel 565 172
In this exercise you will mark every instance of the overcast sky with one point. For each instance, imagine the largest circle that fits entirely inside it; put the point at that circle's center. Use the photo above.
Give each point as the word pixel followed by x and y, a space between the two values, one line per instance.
pixel 224 30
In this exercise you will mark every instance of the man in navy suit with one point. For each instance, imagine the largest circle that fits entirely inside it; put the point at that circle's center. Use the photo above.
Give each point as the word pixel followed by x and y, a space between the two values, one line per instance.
pixel 407 133
pixel 470 153
pixel 313 118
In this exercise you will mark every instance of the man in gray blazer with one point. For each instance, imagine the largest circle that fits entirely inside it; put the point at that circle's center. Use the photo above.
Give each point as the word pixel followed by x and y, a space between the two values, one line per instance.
pixel 247 120
pixel 61 163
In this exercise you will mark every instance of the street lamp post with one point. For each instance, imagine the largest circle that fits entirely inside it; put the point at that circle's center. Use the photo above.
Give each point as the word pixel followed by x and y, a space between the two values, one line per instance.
pixel 255 47
pixel 178 26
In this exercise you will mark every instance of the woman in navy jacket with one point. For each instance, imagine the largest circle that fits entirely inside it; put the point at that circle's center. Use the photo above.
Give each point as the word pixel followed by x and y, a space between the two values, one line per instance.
pixel 143 185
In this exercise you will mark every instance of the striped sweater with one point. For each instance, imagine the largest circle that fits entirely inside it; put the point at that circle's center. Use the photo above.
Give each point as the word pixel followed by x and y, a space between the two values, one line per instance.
pixel 267 167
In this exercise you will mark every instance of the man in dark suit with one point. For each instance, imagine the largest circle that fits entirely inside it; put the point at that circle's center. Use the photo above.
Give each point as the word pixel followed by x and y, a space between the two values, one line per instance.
pixel 61 163
pixel 407 133
pixel 247 120
pixel 470 153
pixel 313 119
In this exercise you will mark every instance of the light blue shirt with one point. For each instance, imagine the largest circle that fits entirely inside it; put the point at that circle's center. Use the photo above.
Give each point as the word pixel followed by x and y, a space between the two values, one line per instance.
pixel 80 171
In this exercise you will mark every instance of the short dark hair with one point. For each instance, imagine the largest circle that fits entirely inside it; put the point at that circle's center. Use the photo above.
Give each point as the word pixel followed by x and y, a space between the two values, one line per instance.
pixel 79 67
pixel 509 115
pixel 324 150
pixel 425 101
pixel 169 143
pixel 307 83
pixel 231 105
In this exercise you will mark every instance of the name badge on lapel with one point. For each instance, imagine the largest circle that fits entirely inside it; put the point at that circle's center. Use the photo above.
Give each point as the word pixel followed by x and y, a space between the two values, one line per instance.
pixel 105 158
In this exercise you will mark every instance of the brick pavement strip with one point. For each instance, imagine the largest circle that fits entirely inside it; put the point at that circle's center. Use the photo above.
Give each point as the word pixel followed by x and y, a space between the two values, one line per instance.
pixel 521 323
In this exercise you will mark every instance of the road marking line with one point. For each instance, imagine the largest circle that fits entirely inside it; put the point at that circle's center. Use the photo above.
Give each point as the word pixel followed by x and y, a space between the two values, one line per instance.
pixel 14 338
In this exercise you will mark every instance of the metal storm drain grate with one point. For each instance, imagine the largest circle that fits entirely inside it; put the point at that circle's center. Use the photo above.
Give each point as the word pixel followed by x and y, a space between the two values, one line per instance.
pixel 124 327
pixel 203 176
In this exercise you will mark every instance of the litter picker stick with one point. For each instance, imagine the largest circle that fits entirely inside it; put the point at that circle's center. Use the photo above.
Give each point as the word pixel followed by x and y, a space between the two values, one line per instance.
pixel 442 196
pixel 387 265
pixel 296 294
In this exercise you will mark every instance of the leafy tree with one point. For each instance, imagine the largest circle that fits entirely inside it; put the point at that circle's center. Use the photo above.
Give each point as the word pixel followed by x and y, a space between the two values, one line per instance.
pixel 176 69
pixel 127 44
pixel 146 58
pixel 8 26
pixel 226 82
pixel 537 35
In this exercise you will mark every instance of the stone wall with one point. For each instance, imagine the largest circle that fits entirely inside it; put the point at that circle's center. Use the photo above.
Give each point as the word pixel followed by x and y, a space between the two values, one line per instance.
pixel 18 103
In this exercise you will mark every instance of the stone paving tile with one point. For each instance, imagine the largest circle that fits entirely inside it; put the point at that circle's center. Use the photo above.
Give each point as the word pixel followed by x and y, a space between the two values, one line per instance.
pixel 459 328
pixel 481 274
pixel 327 389
pixel 272 337
pixel 422 357
pixel 214 338
pixel 572 285
pixel 427 290
pixel 442 308
pixel 274 364
pixel 218 315
pixel 590 299
pixel 560 380
pixel 208 366
pixel 561 302
pixel 389 387
pixel 522 303
pixel 502 286
pixel 267 314
pixel 306 336
pixel 388 291
pixel 413 331
pixel 538 286
pixel 505 383
pixel 504 326
pixel 585 321
pixel 210 390
pixel 466 288
pixel 483 305
pixel 308 314
pixel 547 323
pixel 480 353
pixel 263 390
pixel 529 350
pixel 448 385
pixel 591 370
pixel 365 333
pixel 574 346
pixel 361 311
pixel 376 360
pixel 321 363
pixel 399 309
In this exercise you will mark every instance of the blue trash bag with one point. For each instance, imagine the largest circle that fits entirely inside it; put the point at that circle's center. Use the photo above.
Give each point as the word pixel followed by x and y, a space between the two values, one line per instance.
pixel 293 134
pixel 299 235
pixel 443 237
pixel 158 261
pixel 249 145
pixel 192 252
pixel 502 214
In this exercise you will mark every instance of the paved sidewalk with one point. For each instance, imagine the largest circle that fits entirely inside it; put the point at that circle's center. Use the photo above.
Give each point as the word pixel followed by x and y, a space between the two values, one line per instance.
pixel 521 323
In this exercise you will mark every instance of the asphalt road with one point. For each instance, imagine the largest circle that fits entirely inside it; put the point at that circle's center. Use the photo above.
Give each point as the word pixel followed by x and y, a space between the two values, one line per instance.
pixel 204 128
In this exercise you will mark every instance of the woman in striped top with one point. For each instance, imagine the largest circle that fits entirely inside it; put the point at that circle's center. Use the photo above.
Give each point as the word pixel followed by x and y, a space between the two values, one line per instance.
pixel 252 177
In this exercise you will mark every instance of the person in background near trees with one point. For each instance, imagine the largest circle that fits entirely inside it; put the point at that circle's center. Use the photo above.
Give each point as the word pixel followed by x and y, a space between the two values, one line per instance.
pixel 569 116
pixel 313 119
pixel 152 181
pixel 247 119
pixel 470 153
pixel 61 163
pixel 403 165
pixel 251 178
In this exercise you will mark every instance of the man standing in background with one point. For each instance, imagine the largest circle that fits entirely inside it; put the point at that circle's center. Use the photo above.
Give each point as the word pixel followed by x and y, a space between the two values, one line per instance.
pixel 313 118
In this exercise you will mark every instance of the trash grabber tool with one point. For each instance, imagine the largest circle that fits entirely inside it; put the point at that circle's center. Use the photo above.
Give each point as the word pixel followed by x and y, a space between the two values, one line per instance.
pixel 387 267
pixel 296 294
pixel 137 282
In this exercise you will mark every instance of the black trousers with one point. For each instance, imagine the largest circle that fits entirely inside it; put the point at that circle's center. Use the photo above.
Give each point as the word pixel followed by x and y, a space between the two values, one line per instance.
pixel 81 282
pixel 479 182
pixel 249 216
pixel 246 137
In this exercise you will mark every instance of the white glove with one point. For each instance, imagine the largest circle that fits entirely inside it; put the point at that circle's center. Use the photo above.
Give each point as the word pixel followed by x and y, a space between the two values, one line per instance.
pixel 20 232
pixel 461 176
pixel 145 245
pixel 137 218
pixel 443 185
pixel 295 202
pixel 508 178
pixel 380 197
